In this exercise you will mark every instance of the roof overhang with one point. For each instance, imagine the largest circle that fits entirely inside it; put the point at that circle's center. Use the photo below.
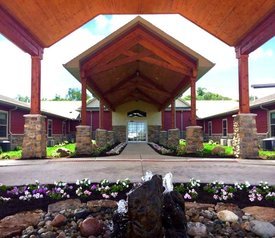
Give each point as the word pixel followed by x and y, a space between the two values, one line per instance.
pixel 138 62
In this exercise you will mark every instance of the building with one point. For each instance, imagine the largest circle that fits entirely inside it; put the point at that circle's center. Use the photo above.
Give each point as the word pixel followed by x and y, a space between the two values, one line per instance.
pixel 59 126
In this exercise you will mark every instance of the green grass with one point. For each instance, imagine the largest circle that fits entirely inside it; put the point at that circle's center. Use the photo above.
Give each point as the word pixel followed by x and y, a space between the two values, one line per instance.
pixel 267 154
pixel 207 149
pixel 51 152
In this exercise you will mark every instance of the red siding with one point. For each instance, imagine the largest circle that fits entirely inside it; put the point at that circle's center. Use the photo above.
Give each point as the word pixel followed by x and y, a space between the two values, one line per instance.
pixel 182 120
pixel 93 120
pixel 261 120
pixel 18 121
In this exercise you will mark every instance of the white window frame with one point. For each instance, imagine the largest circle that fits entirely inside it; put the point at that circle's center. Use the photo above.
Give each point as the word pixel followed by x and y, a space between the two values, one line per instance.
pixel 50 121
pixel 269 122
pixel 7 124
pixel 209 124
pixel 226 128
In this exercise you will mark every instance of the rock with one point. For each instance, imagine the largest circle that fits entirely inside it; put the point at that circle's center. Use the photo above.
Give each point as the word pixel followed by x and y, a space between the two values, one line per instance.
pixel 226 215
pixel 61 235
pixel 90 227
pixel 13 225
pixel 62 205
pixel 198 206
pixel 93 205
pixel 207 214
pixel 48 234
pixel 174 220
pixel 145 209
pixel 230 207
pixel 196 229
pixel 262 228
pixel 82 213
pixel 261 213
pixel 246 226
pixel 59 220
pixel 63 152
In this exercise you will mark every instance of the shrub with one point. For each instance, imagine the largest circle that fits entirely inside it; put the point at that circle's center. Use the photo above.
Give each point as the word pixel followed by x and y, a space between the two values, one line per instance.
pixel 1 150
pixel 218 150
pixel 181 149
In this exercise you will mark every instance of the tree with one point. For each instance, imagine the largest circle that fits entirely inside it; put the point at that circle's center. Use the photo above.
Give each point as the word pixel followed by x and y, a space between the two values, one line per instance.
pixel 58 98
pixel 203 94
pixel 23 98
pixel 74 94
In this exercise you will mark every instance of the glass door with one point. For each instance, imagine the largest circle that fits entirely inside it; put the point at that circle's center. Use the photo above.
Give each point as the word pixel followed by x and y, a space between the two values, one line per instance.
pixel 137 131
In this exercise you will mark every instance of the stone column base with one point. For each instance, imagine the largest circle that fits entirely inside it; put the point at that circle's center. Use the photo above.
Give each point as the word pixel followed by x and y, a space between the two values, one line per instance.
pixel 120 133
pixel 173 138
pixel 245 143
pixel 101 137
pixel 35 139
pixel 83 140
pixel 163 138
pixel 194 139
pixel 110 138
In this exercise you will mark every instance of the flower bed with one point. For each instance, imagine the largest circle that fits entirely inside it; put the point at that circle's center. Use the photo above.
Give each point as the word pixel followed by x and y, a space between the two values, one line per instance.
pixel 29 197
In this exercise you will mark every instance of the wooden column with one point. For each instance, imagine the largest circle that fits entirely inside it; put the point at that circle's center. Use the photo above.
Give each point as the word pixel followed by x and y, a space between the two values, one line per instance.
pixel 36 85
pixel 83 99
pixel 243 84
pixel 193 100
pixel 162 119
pixel 101 115
pixel 173 114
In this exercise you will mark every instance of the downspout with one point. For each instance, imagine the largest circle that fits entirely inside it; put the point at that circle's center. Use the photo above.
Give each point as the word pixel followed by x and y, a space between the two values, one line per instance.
pixel 10 132
pixel 267 110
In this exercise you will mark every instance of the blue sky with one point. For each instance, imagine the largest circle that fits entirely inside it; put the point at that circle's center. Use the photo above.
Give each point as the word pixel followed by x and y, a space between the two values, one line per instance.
pixel 223 78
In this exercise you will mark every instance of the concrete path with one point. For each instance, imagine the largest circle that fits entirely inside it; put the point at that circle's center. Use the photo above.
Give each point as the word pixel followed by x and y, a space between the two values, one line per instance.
pixel 135 160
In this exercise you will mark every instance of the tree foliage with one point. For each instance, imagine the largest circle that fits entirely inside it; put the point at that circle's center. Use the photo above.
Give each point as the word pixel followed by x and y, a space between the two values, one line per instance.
pixel 23 98
pixel 203 94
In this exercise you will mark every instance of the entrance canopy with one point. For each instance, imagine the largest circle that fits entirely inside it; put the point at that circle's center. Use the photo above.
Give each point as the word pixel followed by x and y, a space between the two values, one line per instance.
pixel 138 62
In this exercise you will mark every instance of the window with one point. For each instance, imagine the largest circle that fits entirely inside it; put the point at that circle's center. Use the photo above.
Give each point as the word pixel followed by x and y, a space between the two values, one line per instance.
pixel 224 127
pixel 272 123
pixel 210 128
pixel 50 128
pixel 63 128
pixel 3 124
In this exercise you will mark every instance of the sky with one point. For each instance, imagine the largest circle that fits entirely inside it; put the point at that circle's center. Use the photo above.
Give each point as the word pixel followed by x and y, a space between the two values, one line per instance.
pixel 15 73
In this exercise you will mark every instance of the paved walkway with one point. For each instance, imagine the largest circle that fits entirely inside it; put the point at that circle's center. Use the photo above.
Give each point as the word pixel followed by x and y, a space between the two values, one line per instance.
pixel 135 160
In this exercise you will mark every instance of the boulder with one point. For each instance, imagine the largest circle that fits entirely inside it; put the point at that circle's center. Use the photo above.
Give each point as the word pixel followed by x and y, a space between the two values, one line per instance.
pixel 11 226
pixel 199 206
pixel 262 228
pixel 92 205
pixel 196 229
pixel 63 205
pixel 227 216
pixel 63 152
pixel 59 220
pixel 90 227
pixel 261 213
pixel 230 207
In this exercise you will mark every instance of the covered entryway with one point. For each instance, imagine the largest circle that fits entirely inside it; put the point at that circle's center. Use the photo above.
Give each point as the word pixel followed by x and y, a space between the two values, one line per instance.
pixel 137 131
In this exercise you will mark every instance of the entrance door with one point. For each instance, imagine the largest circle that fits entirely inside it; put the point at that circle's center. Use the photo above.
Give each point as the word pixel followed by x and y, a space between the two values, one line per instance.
pixel 137 131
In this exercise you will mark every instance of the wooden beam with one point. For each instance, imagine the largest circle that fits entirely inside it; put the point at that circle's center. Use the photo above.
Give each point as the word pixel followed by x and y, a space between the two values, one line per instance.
pixel 36 85
pixel 162 119
pixel 83 99
pixel 19 35
pixel 193 100
pixel 260 34
pixel 243 84
pixel 152 82
pixel 165 65
pixel 151 99
pixel 173 112
pixel 101 115
pixel 105 67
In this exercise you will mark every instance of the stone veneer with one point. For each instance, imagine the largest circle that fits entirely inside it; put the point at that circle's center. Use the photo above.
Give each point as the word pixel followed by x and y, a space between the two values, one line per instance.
pixel 110 138
pixel 35 140
pixel 173 138
pixel 153 133
pixel 83 140
pixel 120 133
pixel 163 138
pixel 245 143
pixel 101 137
pixel 194 139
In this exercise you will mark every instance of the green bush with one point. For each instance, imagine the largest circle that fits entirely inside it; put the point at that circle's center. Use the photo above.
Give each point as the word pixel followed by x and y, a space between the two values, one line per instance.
pixel 181 149
pixel 218 150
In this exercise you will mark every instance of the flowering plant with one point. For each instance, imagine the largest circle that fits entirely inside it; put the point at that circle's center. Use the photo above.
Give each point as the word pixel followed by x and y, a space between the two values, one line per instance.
pixel 220 191
pixel 189 189
pixel 85 189
pixel 60 190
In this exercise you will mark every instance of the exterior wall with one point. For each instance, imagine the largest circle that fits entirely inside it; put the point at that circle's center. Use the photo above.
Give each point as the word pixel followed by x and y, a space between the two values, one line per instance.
pixel 119 117
pixel 153 133
pixel 93 120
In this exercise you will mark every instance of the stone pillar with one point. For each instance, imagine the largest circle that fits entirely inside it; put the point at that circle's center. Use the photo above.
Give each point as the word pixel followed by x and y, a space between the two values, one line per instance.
pixel 83 140
pixel 163 138
pixel 120 133
pixel 153 133
pixel 101 137
pixel 173 138
pixel 110 138
pixel 194 139
pixel 35 139
pixel 245 143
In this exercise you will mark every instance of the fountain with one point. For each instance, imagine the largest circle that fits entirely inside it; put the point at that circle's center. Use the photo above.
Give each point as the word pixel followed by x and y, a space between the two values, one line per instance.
pixel 154 210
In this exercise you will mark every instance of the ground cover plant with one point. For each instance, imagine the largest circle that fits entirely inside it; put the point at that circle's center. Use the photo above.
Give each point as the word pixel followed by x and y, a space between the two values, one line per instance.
pixel 14 199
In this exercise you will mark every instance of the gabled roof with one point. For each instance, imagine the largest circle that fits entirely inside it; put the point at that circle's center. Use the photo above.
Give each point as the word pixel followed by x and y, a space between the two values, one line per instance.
pixel 138 62
pixel 265 101
pixel 53 110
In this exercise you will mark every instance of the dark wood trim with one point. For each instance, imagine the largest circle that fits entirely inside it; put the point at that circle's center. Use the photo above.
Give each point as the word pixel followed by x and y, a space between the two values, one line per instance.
pixel 193 100
pixel 83 99
pixel 173 112
pixel 101 115
pixel 19 35
pixel 35 84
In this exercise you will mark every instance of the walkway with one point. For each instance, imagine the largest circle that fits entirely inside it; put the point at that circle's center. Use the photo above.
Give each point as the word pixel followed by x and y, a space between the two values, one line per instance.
pixel 135 160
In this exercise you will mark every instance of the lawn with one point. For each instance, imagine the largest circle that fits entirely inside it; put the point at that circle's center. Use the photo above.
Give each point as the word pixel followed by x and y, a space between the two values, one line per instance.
pixel 51 152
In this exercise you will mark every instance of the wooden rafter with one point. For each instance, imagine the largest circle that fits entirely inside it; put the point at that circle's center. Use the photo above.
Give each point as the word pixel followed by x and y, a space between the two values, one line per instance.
pixel 151 81
pixel 151 99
